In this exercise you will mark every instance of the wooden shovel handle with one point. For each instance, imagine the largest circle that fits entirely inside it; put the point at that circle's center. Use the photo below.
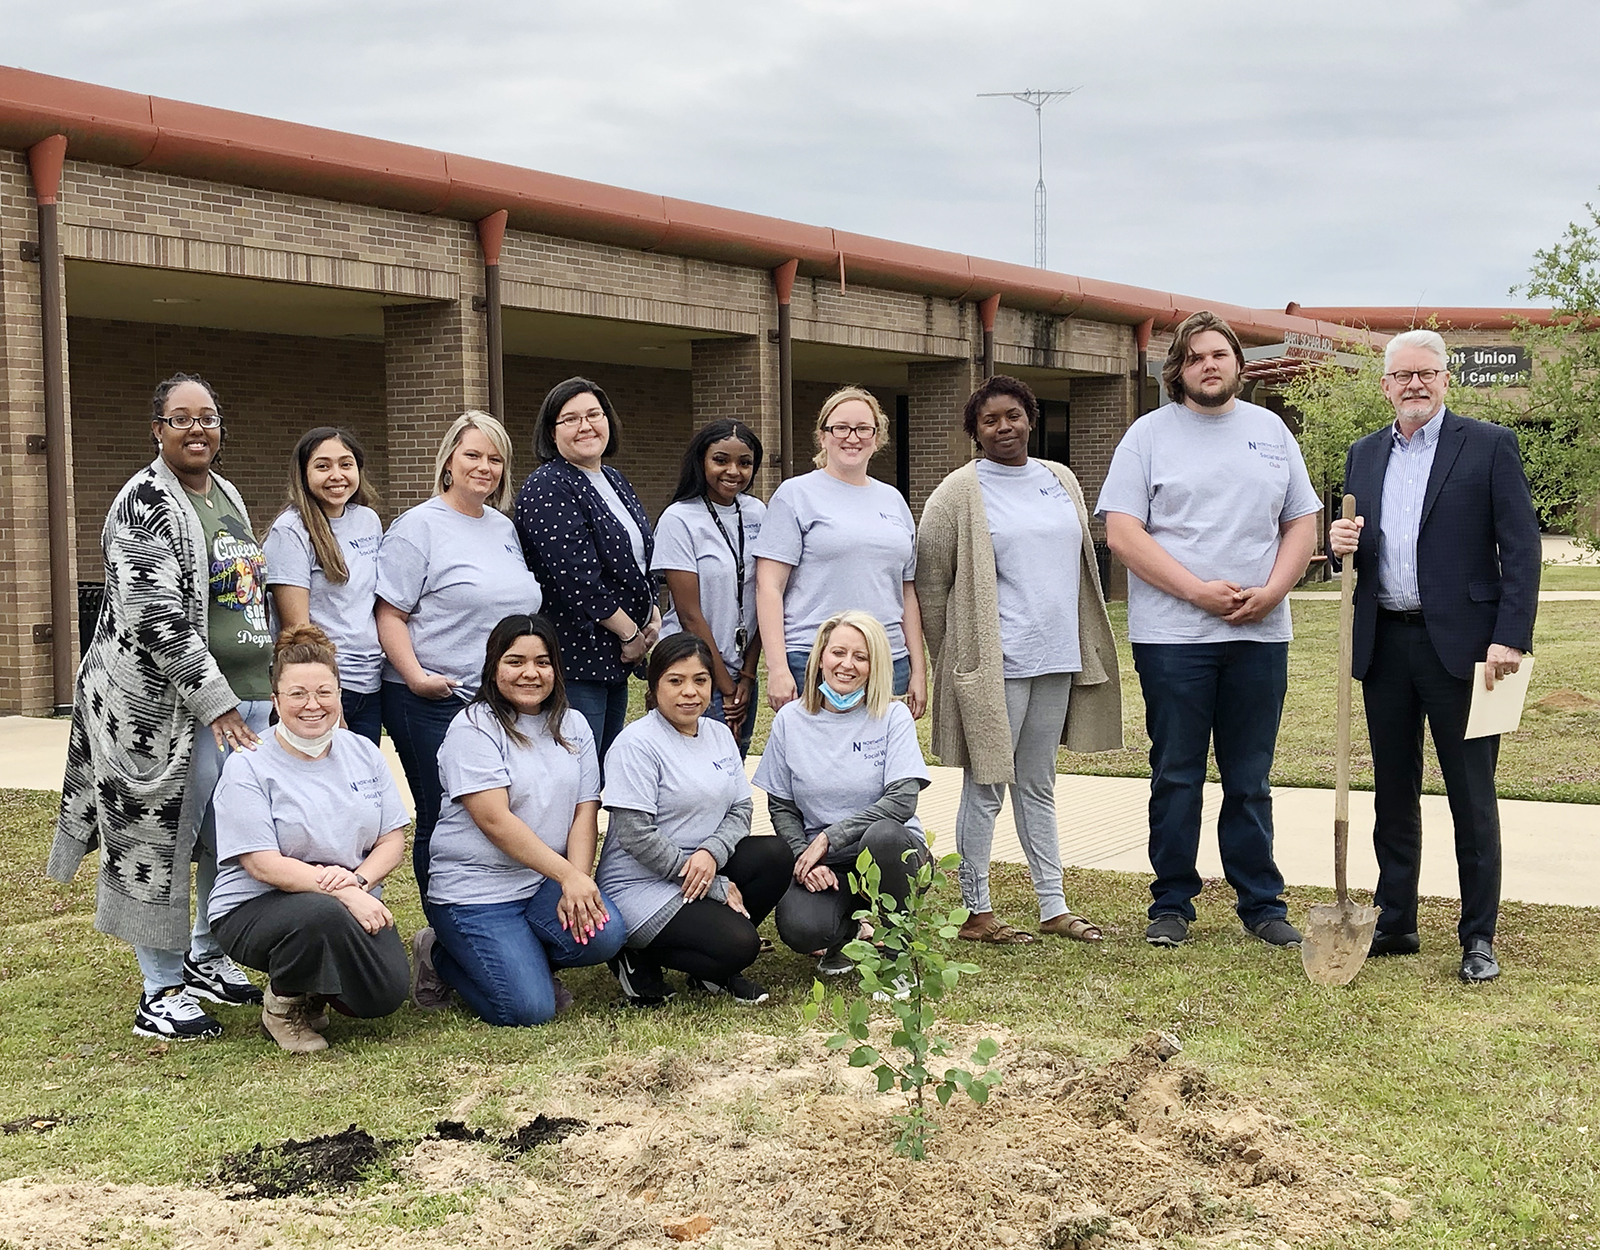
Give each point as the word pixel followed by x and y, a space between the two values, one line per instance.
pixel 1341 792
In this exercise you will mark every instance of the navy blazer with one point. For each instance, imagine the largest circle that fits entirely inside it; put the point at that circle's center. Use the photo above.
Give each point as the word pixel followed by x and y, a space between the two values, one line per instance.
pixel 1478 555
pixel 584 561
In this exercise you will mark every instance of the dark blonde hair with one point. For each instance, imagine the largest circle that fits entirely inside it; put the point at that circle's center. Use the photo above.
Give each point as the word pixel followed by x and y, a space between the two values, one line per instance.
pixel 303 502
pixel 844 395
pixel 303 644
pixel 1178 353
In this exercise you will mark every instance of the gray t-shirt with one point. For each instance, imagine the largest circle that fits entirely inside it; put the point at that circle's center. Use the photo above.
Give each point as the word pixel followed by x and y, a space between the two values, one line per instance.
pixel 545 783
pixel 343 611
pixel 834 764
pixel 687 784
pixel 1214 492
pixel 608 492
pixel 330 810
pixel 688 541
pixel 851 547
pixel 456 576
pixel 1038 541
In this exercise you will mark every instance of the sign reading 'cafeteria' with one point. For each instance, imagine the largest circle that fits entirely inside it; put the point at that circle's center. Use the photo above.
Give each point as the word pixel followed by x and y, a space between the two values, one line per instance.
pixel 1489 366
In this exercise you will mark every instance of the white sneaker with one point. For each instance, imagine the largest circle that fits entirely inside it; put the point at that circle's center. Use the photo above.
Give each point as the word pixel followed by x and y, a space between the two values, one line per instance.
pixel 173 1015
pixel 220 980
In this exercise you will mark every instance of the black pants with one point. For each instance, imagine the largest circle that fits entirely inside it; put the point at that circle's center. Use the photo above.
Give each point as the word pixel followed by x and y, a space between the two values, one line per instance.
pixel 311 944
pixel 709 940
pixel 1406 684
pixel 810 922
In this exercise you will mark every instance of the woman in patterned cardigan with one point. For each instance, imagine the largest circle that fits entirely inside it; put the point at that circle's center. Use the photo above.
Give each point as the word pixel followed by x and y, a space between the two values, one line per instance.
pixel 155 711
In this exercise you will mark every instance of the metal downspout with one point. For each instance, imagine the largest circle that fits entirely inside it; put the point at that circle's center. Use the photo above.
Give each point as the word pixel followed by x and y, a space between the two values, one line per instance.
pixel 45 159
pixel 491 235
pixel 783 280
pixel 987 311
pixel 1141 339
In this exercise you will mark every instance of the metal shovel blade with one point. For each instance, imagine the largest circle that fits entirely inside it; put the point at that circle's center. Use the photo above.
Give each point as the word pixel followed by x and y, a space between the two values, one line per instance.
pixel 1337 938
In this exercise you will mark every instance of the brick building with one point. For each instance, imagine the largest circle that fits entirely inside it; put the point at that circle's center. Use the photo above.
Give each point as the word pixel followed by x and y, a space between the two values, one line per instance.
pixel 321 278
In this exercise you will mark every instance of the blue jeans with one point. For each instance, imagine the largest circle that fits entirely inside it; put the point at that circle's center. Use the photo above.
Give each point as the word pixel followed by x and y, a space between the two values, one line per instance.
pixel 163 968
pixel 499 956
pixel 797 667
pixel 604 704
pixel 746 729
pixel 1229 694
pixel 363 713
pixel 418 726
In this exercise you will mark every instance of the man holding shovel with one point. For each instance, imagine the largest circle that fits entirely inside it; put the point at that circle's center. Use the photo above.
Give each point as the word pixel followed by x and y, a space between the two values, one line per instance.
pixel 1447 558
pixel 1208 504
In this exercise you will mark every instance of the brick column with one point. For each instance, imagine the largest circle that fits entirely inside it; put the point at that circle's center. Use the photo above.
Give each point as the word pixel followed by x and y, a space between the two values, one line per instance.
pixel 435 364
pixel 737 379
pixel 937 390
pixel 1102 411
pixel 25 670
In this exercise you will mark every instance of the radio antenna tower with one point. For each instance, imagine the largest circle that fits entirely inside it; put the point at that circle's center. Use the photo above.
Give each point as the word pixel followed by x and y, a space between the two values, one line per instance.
pixel 1036 100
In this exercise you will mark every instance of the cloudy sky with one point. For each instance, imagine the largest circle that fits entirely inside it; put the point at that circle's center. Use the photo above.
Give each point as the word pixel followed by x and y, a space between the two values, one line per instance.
pixel 1349 152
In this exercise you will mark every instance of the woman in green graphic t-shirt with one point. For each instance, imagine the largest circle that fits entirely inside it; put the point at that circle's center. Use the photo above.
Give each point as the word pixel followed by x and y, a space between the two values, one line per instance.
pixel 175 677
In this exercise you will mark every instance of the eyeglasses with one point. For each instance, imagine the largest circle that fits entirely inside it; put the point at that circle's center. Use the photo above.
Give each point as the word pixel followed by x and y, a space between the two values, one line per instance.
pixel 842 432
pixel 1404 376
pixel 183 421
pixel 595 417
pixel 299 698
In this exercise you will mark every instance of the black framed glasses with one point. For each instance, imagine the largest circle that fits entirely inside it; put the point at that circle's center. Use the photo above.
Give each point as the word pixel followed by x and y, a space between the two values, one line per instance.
pixel 1404 376
pixel 842 432
pixel 183 421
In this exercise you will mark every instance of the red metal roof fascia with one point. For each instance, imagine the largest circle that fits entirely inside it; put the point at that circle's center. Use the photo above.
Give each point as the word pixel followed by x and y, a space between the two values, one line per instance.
pixel 101 124
pixel 1019 286
pixel 1124 305
pixel 904 266
pixel 552 204
pixel 286 156
pixel 735 237
pixel 1450 318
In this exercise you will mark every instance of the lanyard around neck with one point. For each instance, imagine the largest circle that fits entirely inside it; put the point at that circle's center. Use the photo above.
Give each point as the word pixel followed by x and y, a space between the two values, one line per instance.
pixel 736 553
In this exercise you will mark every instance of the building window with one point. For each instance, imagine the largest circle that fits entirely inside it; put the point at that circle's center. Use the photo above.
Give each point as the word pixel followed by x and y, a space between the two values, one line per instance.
pixel 1052 437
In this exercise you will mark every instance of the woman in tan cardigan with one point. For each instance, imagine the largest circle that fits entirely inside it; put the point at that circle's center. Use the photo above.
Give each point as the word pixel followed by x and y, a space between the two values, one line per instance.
pixel 1022 649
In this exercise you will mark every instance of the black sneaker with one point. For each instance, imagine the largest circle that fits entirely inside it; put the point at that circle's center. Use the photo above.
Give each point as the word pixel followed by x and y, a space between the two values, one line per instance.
pixel 642 983
pixel 1168 929
pixel 1277 932
pixel 745 991
pixel 835 964
pixel 221 981
pixel 173 1015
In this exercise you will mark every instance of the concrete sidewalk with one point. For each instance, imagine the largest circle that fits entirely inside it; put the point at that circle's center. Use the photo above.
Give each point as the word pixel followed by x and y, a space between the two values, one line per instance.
pixel 1548 847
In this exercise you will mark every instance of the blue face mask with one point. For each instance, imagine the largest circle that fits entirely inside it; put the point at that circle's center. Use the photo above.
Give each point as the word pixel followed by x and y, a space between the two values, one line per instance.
pixel 842 702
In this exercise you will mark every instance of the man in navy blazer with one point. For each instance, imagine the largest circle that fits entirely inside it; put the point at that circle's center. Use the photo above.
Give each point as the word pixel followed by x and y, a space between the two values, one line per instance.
pixel 1447 557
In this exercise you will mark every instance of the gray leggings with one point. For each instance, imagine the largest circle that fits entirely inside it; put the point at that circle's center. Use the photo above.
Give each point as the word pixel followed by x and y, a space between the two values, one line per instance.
pixel 1037 710
pixel 822 921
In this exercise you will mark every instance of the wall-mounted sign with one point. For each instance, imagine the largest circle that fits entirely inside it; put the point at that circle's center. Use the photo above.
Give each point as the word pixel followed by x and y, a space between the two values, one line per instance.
pixel 1489 366
pixel 1306 346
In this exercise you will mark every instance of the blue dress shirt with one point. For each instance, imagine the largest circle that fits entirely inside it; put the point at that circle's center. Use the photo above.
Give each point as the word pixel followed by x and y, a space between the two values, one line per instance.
pixel 1405 484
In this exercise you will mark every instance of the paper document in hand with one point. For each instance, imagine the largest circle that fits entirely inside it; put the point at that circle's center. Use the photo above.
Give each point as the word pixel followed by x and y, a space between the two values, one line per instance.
pixel 1498 711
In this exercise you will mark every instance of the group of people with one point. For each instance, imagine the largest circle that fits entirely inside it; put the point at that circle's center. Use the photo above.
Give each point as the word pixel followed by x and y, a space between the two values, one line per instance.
pixel 231 700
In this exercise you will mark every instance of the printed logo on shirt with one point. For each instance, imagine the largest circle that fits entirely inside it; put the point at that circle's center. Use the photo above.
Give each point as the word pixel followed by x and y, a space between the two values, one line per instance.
pixel 513 549
pixel 238 576
pixel 873 750
pixel 368 787
pixel 1053 491
pixel 1273 453
pixel 730 764
pixel 365 544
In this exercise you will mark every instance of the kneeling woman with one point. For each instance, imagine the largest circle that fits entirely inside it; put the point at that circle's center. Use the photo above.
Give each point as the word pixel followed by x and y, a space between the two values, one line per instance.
pixel 842 770
pixel 511 894
pixel 308 826
pixel 690 881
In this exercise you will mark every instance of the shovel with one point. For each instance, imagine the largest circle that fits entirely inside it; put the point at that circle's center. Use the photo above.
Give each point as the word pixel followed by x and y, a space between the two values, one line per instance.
pixel 1338 935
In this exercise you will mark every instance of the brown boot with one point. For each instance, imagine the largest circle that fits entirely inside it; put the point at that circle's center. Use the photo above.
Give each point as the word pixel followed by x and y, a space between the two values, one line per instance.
pixel 317 1013
pixel 283 1019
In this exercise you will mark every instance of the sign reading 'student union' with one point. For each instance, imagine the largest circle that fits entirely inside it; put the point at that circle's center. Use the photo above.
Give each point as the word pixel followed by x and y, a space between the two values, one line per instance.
pixel 1489 366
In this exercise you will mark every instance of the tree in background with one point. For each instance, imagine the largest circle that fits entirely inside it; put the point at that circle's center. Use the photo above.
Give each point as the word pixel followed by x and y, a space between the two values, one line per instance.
pixel 1557 418
pixel 1337 405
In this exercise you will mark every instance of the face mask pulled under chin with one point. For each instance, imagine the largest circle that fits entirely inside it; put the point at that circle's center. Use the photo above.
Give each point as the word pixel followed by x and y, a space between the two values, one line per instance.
pixel 314 747
pixel 842 702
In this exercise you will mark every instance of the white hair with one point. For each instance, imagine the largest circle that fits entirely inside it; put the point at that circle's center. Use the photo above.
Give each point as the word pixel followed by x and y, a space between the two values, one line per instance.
pixel 1427 339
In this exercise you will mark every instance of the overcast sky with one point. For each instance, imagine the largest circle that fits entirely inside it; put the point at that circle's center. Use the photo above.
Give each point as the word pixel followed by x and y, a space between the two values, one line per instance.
pixel 1349 152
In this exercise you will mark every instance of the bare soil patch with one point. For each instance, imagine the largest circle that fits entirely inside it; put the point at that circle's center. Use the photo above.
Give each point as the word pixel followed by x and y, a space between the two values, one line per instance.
pixel 1564 700
pixel 777 1145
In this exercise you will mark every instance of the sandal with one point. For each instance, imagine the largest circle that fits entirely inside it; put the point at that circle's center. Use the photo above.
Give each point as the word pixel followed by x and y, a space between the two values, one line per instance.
pixel 1069 926
pixel 997 932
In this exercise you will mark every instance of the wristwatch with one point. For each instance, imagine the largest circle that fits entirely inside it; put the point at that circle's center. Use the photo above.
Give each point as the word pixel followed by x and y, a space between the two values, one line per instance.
pixel 361 881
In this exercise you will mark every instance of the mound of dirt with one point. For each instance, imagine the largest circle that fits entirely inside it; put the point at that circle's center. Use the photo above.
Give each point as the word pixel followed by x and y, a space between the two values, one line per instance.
pixel 1566 701
pixel 777 1145
pixel 332 1161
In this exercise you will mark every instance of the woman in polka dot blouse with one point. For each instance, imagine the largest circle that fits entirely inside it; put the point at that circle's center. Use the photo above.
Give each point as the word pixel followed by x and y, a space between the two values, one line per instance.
pixel 587 537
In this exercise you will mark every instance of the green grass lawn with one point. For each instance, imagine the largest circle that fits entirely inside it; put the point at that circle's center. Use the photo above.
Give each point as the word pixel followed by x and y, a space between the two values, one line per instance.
pixel 1481 1103
pixel 1570 577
